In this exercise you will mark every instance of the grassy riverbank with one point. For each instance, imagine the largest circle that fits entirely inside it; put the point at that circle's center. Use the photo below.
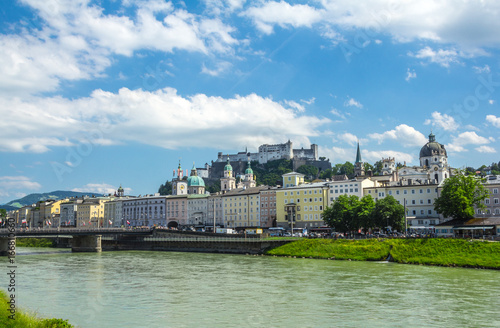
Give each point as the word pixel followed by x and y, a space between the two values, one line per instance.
pixel 34 242
pixel 23 320
pixel 442 252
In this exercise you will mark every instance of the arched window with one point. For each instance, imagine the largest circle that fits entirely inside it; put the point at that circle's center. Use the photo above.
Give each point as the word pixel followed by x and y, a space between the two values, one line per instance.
pixel 426 162
pixel 436 177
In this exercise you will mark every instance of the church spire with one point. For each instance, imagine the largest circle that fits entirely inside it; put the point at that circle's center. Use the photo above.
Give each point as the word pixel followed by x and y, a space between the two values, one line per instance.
pixel 358 155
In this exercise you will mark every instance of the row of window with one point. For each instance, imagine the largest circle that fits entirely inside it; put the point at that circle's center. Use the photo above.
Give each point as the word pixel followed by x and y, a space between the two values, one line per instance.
pixel 487 211
pixel 487 201
pixel 298 192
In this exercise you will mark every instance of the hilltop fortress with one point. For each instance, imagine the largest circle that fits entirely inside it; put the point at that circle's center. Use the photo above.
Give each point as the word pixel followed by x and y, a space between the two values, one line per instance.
pixel 273 152
pixel 266 153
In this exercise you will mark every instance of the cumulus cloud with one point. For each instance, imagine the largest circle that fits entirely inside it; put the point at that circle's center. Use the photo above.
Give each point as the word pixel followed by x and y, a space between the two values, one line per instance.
pixel 443 121
pixel 404 134
pixel 486 149
pixel 466 138
pixel 495 121
pixel 10 185
pixel 83 37
pixel 353 103
pixel 441 57
pixel 469 25
pixel 349 138
pixel 338 154
pixel 100 188
pixel 160 118
pixel 267 14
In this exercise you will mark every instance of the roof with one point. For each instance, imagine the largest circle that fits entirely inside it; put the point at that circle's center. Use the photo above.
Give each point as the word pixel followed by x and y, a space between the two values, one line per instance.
pixel 294 173
pixel 432 148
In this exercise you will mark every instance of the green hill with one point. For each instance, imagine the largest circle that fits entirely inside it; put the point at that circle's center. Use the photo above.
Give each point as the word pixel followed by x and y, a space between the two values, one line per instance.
pixel 34 198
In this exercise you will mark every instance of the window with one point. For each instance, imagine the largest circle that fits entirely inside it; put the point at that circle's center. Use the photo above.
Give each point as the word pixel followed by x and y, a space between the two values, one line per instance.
pixel 397 192
pixel 421 191
pixel 405 191
pixel 421 212
pixel 495 190
pixel 428 190
pixel 429 201
pixel 413 191
pixel 429 212
pixel 487 201
pixel 421 201
pixel 495 201
pixel 413 201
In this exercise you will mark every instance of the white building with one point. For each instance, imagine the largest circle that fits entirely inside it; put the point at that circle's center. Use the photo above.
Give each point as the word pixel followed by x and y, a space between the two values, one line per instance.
pixel 144 211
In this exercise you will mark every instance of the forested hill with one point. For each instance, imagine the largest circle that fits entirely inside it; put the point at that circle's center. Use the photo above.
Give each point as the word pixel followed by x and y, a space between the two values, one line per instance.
pixel 34 198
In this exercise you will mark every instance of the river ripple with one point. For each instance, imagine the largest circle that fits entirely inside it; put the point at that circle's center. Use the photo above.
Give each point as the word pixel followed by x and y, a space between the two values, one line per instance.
pixel 170 289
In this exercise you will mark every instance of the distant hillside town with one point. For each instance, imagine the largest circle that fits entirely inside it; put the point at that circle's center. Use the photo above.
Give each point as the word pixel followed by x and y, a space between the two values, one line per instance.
pixel 242 204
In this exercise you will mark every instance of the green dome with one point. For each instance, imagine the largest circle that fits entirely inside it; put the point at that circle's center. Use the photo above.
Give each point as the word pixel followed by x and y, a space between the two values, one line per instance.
pixel 228 166
pixel 249 169
pixel 195 181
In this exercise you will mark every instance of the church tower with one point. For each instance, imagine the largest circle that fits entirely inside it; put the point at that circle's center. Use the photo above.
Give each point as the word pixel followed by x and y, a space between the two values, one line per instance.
pixel 249 179
pixel 179 186
pixel 228 182
pixel 434 158
pixel 359 168
pixel 121 192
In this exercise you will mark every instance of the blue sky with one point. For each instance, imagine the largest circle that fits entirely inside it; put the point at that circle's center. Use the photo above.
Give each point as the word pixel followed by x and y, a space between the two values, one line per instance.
pixel 94 94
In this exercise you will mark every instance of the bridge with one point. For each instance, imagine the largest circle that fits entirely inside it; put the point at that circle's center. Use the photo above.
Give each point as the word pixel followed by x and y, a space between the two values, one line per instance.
pixel 109 239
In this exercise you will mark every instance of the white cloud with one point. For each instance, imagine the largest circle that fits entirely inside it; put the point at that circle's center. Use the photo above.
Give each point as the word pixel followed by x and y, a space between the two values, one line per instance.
pixel 99 188
pixel 443 121
pixel 491 101
pixel 295 105
pixel 495 121
pixel 220 68
pixel 486 149
pixel 309 101
pixel 283 14
pixel 466 138
pixel 404 134
pixel 410 75
pixel 83 37
pixel 469 25
pixel 337 113
pixel 337 154
pixel 161 118
pixel 9 185
pixel 440 57
pixel 353 103
pixel 480 70
pixel 349 138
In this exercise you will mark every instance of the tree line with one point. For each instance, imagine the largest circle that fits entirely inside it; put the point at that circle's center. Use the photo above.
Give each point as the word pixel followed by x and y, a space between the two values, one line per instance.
pixel 352 214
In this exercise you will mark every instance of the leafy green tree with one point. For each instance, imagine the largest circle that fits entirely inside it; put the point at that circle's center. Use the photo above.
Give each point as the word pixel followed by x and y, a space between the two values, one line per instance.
pixel 326 174
pixel 165 189
pixel 341 215
pixel 377 168
pixel 470 170
pixel 388 212
pixel 309 171
pixel 460 194
pixel 3 213
pixel 368 167
pixel 347 169
pixel 364 212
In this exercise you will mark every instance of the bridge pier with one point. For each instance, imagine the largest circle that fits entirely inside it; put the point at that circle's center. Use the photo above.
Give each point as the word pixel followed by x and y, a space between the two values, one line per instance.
pixel 87 243
pixel 4 245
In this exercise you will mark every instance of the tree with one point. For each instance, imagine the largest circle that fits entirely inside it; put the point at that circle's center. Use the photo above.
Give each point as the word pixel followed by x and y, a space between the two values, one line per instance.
pixel 364 212
pixel 165 189
pixel 388 212
pixel 326 174
pixel 377 168
pixel 340 216
pixel 368 167
pixel 309 171
pixel 460 194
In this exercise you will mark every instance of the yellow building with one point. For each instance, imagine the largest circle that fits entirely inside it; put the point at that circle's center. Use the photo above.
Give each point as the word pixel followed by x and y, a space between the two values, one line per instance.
pixel 303 204
pixel 241 207
pixel 292 179
pixel 90 213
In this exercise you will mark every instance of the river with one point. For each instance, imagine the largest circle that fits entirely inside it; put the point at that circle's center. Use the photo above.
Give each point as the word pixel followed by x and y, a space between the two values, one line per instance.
pixel 170 289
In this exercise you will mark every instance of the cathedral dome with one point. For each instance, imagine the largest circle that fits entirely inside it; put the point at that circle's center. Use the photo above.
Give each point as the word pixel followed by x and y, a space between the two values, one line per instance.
pixel 195 181
pixel 432 148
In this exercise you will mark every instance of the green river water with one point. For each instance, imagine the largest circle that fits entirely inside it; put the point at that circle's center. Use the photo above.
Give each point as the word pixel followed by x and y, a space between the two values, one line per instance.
pixel 169 289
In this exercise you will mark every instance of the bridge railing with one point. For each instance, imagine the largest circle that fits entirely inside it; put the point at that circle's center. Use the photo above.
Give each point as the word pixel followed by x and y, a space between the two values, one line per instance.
pixel 70 231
